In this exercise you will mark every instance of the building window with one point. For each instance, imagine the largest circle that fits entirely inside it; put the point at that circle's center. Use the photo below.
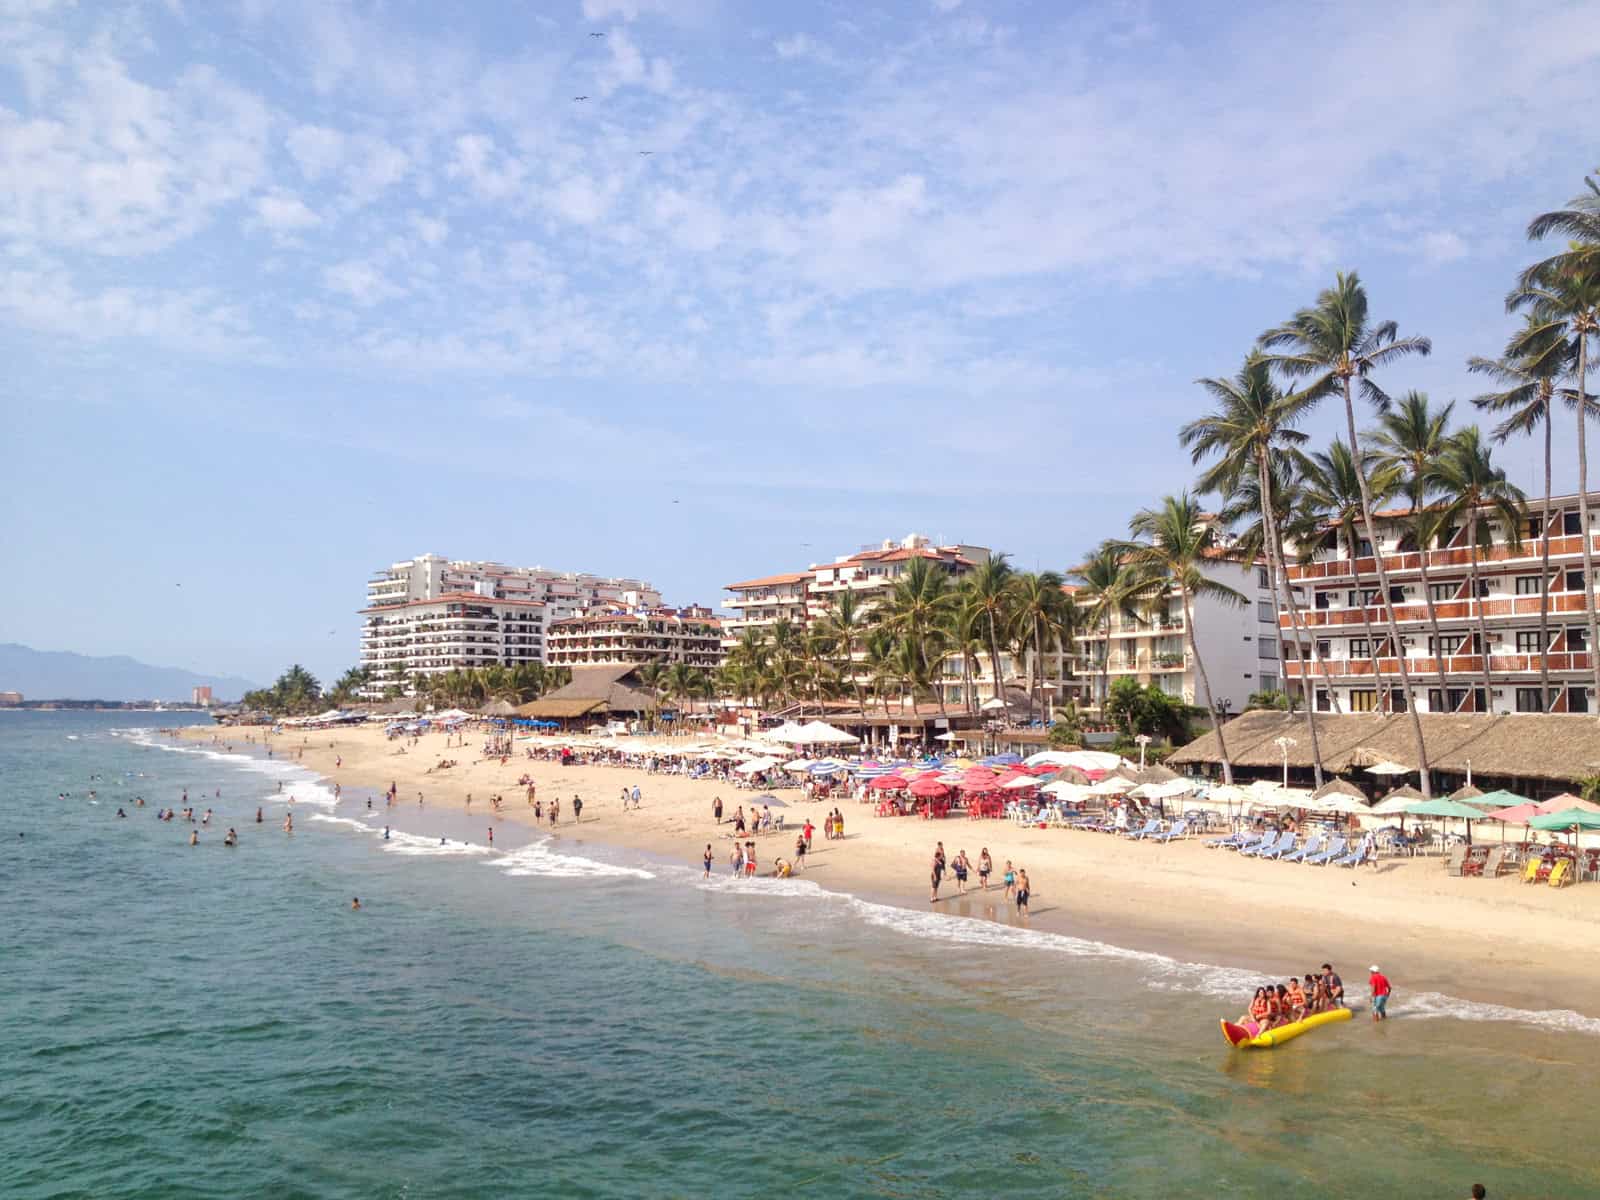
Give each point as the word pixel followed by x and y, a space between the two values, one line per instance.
pixel 1269 683
pixel 1535 524
pixel 1363 548
pixel 1359 648
pixel 1321 599
pixel 1324 648
pixel 1266 612
pixel 1528 585
pixel 1530 700
pixel 1363 700
pixel 1262 580
pixel 1452 643
pixel 1577 638
pixel 1528 643
pixel 1483 588
pixel 1397 594
pixel 1442 591
pixel 1570 525
pixel 1458 697
pixel 1323 703
pixel 1267 647
pixel 1575 580
pixel 1578 700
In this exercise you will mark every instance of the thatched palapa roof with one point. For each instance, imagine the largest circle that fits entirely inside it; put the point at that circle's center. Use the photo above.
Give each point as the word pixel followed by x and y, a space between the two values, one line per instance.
pixel 594 691
pixel 1556 746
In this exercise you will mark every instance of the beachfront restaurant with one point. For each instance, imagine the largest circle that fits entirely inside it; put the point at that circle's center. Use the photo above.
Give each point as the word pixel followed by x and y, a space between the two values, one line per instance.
pixel 595 694
pixel 1537 755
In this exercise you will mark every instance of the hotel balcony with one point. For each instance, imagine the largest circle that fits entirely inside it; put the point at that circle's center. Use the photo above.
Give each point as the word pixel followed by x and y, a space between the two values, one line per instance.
pixel 1424 667
pixel 1409 611
pixel 1496 560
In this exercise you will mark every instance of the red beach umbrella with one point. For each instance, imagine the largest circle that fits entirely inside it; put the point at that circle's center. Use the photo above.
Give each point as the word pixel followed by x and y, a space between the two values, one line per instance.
pixel 887 783
pixel 928 788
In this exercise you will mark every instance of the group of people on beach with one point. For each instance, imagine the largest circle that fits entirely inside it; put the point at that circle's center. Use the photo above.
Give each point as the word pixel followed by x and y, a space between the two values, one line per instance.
pixel 1015 879
pixel 1276 1004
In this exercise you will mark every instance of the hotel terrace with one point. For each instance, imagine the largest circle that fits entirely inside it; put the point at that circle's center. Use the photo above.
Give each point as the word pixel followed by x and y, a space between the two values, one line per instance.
pixel 428 615
pixel 1353 666
pixel 619 638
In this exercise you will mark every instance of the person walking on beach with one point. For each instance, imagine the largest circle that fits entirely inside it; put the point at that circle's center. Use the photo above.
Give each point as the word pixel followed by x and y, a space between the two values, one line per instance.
pixel 636 797
pixel 491 836
pixel 808 831
pixel 1010 880
pixel 936 873
pixel 1379 983
pixel 749 860
pixel 800 853
pixel 555 811
pixel 707 875
pixel 716 809
pixel 960 867
pixel 624 799
pixel 1023 892
pixel 737 859
pixel 577 808
pixel 538 810
pixel 985 867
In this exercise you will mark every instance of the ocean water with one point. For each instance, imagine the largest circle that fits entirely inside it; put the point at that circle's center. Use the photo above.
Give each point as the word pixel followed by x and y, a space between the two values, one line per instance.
pixel 553 1018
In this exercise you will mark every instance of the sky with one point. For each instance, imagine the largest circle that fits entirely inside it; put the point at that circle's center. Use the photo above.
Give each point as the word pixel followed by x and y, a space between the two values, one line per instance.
pixel 293 289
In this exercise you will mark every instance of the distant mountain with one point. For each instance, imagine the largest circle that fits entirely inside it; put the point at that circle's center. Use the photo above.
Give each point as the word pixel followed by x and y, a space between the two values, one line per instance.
pixel 62 675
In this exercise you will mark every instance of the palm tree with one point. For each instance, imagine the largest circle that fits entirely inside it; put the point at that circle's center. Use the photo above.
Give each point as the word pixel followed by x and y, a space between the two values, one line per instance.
pixel 967 640
pixel 1477 492
pixel 918 607
pixel 1334 343
pixel 1248 433
pixel 1579 223
pixel 1110 587
pixel 1174 540
pixel 844 625
pixel 1562 295
pixel 989 590
pixel 1042 615
pixel 1534 359
pixel 1331 496
pixel 878 660
pixel 1410 439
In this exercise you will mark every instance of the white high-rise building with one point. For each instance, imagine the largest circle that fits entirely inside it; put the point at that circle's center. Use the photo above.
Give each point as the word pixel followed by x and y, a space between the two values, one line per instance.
pixel 431 614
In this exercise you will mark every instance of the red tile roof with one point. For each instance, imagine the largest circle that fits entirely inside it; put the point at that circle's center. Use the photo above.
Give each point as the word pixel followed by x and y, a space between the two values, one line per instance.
pixel 768 581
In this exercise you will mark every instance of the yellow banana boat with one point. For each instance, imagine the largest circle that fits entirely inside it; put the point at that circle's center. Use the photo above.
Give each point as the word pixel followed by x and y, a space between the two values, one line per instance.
pixel 1249 1034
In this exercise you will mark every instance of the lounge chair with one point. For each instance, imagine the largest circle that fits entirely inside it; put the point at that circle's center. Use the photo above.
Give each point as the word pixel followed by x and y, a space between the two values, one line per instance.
pixel 1453 860
pixel 1285 845
pixel 1231 842
pixel 1150 826
pixel 1253 842
pixel 1272 845
pixel 1561 873
pixel 1353 859
pixel 1336 849
pixel 1179 829
pixel 1314 846
pixel 1530 869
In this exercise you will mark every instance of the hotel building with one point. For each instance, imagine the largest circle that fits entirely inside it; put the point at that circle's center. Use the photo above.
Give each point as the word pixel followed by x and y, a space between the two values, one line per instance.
pixel 804 597
pixel 430 615
pixel 1353 667
pixel 615 637
pixel 1241 647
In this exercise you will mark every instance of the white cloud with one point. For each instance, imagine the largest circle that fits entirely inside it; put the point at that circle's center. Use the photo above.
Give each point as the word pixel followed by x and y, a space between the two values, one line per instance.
pixel 431 231
pixel 282 211
pixel 1442 246
pixel 361 281
pixel 316 149
pixel 803 45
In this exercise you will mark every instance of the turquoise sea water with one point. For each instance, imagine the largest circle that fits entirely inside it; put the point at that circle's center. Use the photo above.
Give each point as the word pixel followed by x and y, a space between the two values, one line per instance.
pixel 560 1019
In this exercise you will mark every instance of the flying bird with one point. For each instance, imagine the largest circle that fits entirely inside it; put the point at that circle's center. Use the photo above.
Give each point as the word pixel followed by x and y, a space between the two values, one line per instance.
pixel 597 35
pixel 646 153
pixel 580 98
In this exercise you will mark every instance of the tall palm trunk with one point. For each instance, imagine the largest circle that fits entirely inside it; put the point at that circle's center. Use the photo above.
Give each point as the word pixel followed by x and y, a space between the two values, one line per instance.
pixel 1372 642
pixel 1433 613
pixel 1546 700
pixel 1205 685
pixel 994 657
pixel 1383 587
pixel 1280 573
pixel 1477 604
pixel 1105 670
pixel 1583 508
pixel 1036 668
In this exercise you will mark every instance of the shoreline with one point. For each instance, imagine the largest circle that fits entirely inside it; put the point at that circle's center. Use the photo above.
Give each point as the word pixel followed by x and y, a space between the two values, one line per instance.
pixel 1495 942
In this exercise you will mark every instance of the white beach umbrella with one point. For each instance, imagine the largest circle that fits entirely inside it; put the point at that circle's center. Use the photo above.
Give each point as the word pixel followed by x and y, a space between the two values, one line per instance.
pixel 755 765
pixel 820 733
pixel 1020 782
pixel 797 764
pixel 1063 790
pixel 1390 768
pixel 1114 785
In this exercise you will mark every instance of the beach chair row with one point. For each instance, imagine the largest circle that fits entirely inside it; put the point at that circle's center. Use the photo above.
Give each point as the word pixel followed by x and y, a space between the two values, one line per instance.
pixel 1317 851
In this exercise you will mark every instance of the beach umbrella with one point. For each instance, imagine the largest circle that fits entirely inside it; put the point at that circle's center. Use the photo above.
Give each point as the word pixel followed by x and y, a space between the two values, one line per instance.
pixel 1466 792
pixel 1339 787
pixel 887 783
pixel 1019 782
pixel 1323 800
pixel 1568 820
pixel 797 764
pixel 1063 790
pixel 1113 785
pixel 1002 760
pixel 929 788
pixel 1397 801
pixel 1390 768
pixel 1567 802
pixel 1443 806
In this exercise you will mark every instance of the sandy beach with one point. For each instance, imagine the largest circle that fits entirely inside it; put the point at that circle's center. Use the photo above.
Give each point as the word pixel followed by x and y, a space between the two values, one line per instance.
pixel 1491 941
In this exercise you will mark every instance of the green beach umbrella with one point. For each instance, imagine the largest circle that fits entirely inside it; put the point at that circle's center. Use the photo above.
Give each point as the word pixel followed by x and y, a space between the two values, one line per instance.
pixel 1443 806
pixel 1501 799
pixel 1569 821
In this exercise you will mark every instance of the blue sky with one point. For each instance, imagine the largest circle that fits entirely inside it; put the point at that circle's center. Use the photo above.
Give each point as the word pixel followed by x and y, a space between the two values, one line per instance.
pixel 292 290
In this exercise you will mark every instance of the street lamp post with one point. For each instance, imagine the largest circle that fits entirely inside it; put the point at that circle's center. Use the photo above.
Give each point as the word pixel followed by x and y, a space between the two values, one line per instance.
pixel 1144 740
pixel 1283 744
